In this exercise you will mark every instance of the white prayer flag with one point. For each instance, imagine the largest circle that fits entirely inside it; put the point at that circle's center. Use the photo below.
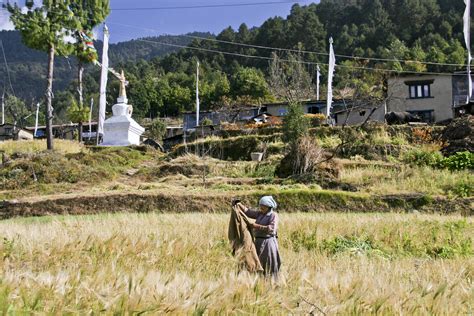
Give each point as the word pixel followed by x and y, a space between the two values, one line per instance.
pixel 3 108
pixel 318 77
pixel 90 118
pixel 467 39
pixel 332 65
pixel 103 82
pixel 36 121
pixel 197 95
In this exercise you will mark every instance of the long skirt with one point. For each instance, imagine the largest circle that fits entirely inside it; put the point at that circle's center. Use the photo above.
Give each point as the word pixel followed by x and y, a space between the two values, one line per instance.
pixel 267 251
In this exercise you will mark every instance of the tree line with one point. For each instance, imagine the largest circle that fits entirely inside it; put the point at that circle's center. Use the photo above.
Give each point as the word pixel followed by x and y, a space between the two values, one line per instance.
pixel 428 30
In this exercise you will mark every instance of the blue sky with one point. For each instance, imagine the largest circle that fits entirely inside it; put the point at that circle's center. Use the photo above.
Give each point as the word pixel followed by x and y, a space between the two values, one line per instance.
pixel 126 25
pixel 179 21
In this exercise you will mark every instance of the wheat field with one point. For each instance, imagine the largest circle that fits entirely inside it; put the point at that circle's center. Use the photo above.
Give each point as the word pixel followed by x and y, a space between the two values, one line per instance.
pixel 181 264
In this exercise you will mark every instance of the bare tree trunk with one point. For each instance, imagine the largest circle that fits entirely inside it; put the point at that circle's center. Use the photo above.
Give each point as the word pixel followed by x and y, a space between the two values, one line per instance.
pixel 49 99
pixel 80 72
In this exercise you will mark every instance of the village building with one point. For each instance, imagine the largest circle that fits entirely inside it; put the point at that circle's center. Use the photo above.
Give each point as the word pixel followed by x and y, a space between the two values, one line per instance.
pixel 360 114
pixel 66 131
pixel 12 132
pixel 218 117
pixel 431 97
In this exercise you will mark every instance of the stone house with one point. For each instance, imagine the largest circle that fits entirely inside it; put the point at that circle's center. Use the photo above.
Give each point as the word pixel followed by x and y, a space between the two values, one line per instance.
pixel 429 96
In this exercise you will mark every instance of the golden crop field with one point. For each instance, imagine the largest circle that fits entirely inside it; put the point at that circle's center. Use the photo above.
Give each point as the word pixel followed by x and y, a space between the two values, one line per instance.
pixel 181 264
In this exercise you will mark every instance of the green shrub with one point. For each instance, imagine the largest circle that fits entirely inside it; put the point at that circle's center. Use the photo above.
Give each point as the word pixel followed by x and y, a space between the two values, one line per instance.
pixel 462 189
pixel 206 122
pixel 157 130
pixel 295 124
pixel 459 161
pixel 420 157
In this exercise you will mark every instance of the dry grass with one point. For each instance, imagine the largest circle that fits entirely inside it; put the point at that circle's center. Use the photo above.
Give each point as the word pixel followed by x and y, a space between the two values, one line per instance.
pixel 34 146
pixel 406 179
pixel 181 264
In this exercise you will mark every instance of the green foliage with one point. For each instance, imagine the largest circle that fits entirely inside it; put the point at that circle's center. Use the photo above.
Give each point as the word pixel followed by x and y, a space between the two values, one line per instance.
pixel 436 240
pixel 295 124
pixel 77 113
pixel 420 157
pixel 157 130
pixel 206 121
pixel 462 189
pixel 17 111
pixel 164 85
pixel 249 84
pixel 45 26
pixel 90 14
pixel 459 161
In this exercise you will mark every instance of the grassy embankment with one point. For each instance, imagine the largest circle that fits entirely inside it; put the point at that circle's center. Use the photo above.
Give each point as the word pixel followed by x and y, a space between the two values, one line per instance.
pixel 378 163
pixel 181 264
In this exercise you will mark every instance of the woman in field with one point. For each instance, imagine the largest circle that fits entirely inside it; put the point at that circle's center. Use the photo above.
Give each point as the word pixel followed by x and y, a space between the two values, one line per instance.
pixel 265 232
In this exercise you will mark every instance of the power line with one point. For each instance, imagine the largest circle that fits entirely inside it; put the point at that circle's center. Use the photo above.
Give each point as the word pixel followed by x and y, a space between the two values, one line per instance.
pixel 208 6
pixel 294 50
pixel 296 61
pixel 407 61
pixel 6 66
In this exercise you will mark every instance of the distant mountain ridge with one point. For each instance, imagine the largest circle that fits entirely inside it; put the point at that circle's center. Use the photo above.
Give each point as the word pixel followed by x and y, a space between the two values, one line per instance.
pixel 28 67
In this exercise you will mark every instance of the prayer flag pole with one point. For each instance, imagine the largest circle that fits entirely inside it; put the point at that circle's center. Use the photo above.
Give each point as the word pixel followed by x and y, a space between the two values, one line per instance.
pixel 197 94
pixel 3 107
pixel 103 85
pixel 318 76
pixel 467 39
pixel 36 121
pixel 332 65
pixel 90 118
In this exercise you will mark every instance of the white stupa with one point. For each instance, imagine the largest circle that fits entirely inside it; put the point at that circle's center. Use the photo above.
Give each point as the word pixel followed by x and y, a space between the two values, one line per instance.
pixel 121 129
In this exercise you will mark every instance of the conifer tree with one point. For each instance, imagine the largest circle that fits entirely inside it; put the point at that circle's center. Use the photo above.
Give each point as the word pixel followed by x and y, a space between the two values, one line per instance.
pixel 45 27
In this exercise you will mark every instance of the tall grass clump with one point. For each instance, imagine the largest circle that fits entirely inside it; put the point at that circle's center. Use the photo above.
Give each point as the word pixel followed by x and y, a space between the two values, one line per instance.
pixel 34 146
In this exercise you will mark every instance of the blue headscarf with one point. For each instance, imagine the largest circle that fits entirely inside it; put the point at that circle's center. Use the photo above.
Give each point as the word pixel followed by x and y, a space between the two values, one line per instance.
pixel 268 201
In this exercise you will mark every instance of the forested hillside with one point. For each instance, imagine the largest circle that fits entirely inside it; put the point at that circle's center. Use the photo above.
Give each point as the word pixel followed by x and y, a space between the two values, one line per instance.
pixel 427 30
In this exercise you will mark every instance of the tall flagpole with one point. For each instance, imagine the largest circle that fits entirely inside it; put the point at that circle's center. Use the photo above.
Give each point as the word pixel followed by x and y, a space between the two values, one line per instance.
pixel 197 94
pixel 103 85
pixel 90 118
pixel 332 65
pixel 3 107
pixel 467 39
pixel 36 121
pixel 318 77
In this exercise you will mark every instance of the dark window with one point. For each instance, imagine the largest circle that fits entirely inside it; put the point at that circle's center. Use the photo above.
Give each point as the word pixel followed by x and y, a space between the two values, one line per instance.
pixel 426 116
pixel 419 91
pixel 313 110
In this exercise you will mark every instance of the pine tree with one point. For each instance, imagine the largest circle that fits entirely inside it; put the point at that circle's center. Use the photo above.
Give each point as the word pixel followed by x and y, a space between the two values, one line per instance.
pixel 45 28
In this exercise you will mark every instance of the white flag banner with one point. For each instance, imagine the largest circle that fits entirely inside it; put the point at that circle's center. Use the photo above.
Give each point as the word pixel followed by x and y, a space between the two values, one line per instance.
pixel 90 118
pixel 467 39
pixel 36 121
pixel 103 82
pixel 318 77
pixel 3 108
pixel 332 65
pixel 197 95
